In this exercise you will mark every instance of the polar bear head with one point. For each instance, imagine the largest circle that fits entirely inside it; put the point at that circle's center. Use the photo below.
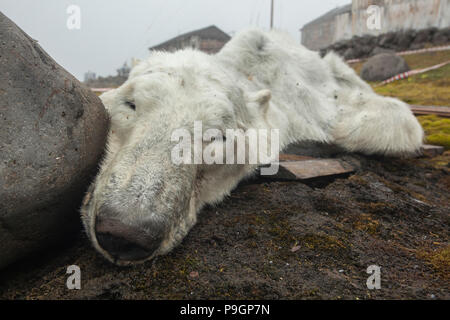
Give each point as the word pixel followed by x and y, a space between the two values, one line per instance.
pixel 142 203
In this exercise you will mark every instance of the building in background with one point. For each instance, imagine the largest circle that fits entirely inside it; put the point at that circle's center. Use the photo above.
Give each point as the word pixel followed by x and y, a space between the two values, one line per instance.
pixel 209 40
pixel 91 80
pixel 124 71
pixel 329 28
pixel 351 20
pixel 89 76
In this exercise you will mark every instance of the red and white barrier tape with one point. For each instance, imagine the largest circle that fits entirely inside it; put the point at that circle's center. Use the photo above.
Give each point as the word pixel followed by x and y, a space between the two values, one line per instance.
pixel 405 53
pixel 407 74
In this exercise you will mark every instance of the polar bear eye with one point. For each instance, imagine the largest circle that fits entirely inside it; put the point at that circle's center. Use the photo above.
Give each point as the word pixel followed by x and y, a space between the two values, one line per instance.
pixel 130 104
pixel 224 139
pixel 217 138
pixel 211 139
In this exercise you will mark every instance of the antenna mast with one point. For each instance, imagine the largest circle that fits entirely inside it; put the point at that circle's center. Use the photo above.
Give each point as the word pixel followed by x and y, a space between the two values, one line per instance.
pixel 271 14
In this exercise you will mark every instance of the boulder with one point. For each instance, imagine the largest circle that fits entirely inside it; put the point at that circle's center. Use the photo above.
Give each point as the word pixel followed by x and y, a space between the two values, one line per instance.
pixel 446 33
pixel 366 46
pixel 379 50
pixel 424 36
pixel 352 53
pixel 383 66
pixel 440 37
pixel 365 50
pixel 404 39
pixel 387 40
pixel 368 40
pixel 52 134
pixel 340 45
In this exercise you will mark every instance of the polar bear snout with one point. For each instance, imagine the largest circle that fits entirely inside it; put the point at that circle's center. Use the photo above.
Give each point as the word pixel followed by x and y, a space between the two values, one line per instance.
pixel 128 243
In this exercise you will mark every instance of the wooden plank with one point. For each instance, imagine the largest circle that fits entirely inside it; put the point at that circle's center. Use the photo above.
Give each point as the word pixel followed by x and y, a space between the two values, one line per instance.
pixel 310 169
pixel 432 151
pixel 424 110
pixel 284 157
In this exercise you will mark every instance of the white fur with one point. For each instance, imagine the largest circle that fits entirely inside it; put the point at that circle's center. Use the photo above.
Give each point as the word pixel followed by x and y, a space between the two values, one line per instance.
pixel 258 80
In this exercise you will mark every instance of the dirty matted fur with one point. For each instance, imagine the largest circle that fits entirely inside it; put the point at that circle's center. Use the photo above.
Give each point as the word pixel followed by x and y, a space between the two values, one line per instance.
pixel 258 80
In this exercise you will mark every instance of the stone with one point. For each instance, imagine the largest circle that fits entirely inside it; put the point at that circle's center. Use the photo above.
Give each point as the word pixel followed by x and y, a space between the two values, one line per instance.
pixel 423 36
pixel 378 50
pixel 383 66
pixel 404 39
pixel 440 38
pixel 387 40
pixel 365 50
pixel 351 53
pixel 340 45
pixel 52 134
pixel 446 32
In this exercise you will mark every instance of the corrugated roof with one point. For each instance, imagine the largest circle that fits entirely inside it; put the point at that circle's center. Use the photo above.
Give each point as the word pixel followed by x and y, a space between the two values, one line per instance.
pixel 211 32
pixel 330 14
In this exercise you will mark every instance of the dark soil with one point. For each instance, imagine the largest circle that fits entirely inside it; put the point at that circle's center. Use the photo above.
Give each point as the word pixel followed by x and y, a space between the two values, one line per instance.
pixel 283 240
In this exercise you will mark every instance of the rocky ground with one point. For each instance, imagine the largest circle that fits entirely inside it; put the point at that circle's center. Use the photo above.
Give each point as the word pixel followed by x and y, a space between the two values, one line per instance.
pixel 283 240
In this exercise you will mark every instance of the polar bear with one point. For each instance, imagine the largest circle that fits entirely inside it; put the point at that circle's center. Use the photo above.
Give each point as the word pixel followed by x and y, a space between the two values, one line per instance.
pixel 142 204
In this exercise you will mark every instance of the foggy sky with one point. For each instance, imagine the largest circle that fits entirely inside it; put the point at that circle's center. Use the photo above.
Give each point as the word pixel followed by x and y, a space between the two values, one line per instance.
pixel 113 32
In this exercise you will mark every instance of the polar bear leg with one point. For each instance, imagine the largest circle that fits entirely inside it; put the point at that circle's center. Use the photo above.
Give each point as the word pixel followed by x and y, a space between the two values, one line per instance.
pixel 368 122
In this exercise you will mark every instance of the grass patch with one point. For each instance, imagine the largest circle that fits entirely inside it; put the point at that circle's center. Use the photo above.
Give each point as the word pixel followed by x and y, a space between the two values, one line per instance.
pixel 415 61
pixel 437 130
pixel 439 260
pixel 427 89
pixel 367 224
pixel 430 88
pixel 428 59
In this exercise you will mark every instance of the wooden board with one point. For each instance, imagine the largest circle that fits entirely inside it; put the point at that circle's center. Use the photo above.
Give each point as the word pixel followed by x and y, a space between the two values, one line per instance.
pixel 424 110
pixel 309 169
pixel 432 151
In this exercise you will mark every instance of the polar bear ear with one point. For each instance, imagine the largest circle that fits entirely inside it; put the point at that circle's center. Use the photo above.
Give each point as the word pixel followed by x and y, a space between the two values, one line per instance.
pixel 261 99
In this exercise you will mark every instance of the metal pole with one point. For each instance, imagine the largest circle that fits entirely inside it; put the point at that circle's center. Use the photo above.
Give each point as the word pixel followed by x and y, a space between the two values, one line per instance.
pixel 271 15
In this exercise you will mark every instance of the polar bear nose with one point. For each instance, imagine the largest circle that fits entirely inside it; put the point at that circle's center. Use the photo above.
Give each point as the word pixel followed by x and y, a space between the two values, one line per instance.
pixel 127 243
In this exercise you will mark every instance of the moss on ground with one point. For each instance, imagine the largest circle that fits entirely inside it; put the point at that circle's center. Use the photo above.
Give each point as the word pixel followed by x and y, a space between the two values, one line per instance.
pixel 426 89
pixel 322 242
pixel 415 61
pixel 437 130
pixel 430 88
pixel 439 259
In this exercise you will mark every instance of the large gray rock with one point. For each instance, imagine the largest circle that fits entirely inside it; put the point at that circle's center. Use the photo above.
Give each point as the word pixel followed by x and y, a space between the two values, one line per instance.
pixel 424 36
pixel 403 39
pixel 379 50
pixel 441 37
pixel 52 134
pixel 383 66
